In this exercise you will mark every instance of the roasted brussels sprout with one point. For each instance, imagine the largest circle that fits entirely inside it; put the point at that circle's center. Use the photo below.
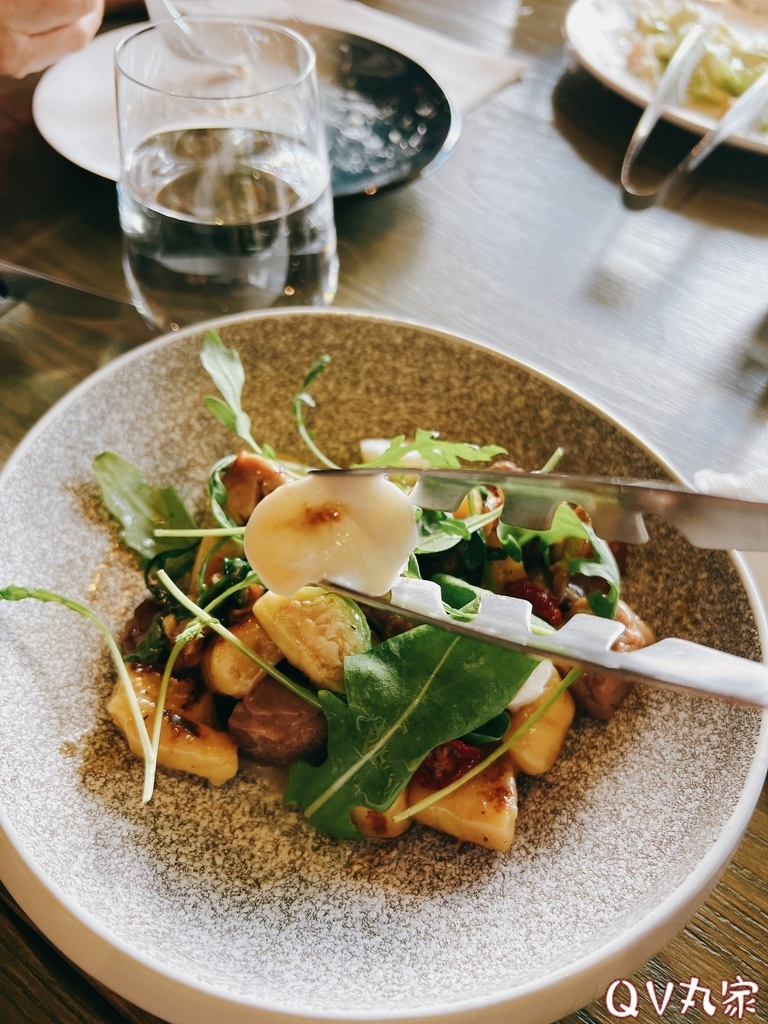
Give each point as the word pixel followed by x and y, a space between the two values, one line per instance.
pixel 315 629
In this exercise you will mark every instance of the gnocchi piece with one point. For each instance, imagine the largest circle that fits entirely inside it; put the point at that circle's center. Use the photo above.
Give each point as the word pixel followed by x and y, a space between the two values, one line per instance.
pixel 482 811
pixel 227 670
pixel 189 741
pixel 540 747
pixel 379 824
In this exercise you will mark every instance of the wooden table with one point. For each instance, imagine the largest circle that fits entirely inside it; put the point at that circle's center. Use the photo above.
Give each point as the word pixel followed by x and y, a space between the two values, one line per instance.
pixel 520 240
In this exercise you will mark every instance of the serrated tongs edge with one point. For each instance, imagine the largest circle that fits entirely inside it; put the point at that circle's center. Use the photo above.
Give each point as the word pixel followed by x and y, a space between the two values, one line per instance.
pixel 615 505
pixel 585 640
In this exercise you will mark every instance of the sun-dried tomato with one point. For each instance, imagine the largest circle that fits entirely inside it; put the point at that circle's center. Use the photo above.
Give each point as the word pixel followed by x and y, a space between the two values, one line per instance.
pixel 447 763
pixel 540 597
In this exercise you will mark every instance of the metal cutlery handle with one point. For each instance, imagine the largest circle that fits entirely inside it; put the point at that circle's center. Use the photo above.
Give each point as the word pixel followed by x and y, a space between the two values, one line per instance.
pixel 742 115
pixel 615 505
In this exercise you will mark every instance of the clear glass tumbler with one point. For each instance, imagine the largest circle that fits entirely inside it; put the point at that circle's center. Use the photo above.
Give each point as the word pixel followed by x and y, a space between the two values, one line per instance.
pixel 224 193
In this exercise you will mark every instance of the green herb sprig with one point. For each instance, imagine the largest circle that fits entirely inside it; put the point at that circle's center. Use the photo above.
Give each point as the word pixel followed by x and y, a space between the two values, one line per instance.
pixel 435 453
pixel 17 593
pixel 302 399
pixel 226 371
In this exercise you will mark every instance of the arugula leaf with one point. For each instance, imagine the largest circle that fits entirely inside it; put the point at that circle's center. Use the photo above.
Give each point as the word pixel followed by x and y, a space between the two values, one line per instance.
pixel 304 398
pixel 226 371
pixel 141 509
pixel 439 531
pixel 565 523
pixel 457 593
pixel 153 645
pixel 411 570
pixel 491 732
pixel 462 600
pixel 404 697
pixel 604 566
pixel 437 454
pixel 217 493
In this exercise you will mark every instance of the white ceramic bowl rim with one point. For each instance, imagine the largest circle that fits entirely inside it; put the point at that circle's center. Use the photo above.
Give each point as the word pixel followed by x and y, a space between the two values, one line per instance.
pixel 628 950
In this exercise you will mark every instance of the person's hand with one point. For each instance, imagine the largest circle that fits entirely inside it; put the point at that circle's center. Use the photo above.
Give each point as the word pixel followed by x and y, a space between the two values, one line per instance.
pixel 35 33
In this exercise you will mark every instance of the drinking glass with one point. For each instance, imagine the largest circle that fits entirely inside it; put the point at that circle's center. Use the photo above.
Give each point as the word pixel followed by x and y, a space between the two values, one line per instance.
pixel 224 192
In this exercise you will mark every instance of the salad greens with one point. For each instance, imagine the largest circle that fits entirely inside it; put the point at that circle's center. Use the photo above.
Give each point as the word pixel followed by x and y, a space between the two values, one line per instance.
pixel 728 67
pixel 566 524
pixel 404 697
pixel 436 453
pixel 225 369
pixel 141 509
pixel 303 398
pixel 441 531
pixel 407 695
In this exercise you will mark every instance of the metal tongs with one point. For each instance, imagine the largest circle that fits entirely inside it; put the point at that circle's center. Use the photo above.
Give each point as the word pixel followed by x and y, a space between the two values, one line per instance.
pixel 671 91
pixel 616 507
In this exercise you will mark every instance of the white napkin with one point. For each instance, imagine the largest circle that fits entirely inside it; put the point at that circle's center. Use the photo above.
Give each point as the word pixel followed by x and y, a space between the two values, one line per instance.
pixel 750 484
pixel 468 76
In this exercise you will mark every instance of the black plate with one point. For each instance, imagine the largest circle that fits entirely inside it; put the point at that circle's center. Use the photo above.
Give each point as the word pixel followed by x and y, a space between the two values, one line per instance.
pixel 387 120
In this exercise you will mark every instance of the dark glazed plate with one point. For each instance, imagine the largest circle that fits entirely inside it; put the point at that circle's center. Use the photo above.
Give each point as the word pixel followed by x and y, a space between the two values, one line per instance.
pixel 387 120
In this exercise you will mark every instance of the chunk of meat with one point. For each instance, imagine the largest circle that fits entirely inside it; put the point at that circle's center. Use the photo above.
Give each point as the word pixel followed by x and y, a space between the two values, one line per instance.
pixel 275 727
pixel 137 626
pixel 597 694
pixel 386 624
pixel 247 480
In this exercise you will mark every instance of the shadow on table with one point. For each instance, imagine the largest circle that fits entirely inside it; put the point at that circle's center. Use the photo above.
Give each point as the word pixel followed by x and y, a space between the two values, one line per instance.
pixel 598 124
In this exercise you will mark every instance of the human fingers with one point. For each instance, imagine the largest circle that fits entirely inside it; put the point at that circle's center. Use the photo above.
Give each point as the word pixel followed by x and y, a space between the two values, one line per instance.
pixel 31 18
pixel 21 54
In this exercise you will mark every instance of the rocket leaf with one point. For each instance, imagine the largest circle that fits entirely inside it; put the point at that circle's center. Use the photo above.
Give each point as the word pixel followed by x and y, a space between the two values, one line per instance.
pixel 141 508
pixel 435 452
pixel 225 369
pixel 404 697
pixel 565 523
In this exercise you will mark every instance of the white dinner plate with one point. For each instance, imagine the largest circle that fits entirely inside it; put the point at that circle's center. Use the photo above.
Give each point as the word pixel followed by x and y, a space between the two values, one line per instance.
pixel 601 34
pixel 221 904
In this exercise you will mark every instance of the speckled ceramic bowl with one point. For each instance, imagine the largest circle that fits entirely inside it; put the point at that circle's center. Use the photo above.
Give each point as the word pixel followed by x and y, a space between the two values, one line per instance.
pixel 220 901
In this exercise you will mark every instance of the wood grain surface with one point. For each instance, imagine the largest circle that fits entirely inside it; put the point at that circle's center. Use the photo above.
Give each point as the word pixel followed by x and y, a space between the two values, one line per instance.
pixel 520 240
